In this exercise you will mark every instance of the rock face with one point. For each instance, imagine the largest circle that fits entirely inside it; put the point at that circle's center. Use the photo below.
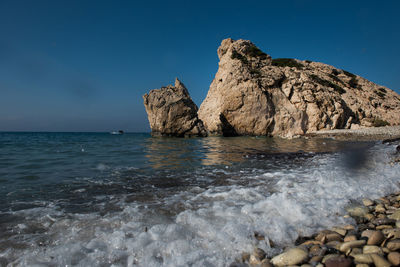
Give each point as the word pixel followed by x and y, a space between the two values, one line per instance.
pixel 252 94
pixel 171 112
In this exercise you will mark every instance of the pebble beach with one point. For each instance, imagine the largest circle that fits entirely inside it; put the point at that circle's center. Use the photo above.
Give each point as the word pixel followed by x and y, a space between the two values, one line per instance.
pixel 372 240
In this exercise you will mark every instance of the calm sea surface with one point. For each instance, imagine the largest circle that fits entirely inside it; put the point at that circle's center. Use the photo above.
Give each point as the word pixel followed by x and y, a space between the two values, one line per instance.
pixel 96 199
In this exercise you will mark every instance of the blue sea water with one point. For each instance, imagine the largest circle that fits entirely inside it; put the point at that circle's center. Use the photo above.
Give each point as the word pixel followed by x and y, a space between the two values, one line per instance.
pixel 95 199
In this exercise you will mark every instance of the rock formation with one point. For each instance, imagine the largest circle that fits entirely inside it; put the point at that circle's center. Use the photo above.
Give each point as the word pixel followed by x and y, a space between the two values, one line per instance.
pixel 171 112
pixel 252 94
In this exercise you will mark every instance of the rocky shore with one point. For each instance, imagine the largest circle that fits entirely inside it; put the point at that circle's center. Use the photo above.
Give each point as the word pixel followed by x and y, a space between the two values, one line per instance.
pixel 361 134
pixel 373 241
pixel 253 94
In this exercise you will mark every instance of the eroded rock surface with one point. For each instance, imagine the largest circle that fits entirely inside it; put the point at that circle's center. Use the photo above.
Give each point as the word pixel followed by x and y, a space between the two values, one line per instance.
pixel 171 112
pixel 252 94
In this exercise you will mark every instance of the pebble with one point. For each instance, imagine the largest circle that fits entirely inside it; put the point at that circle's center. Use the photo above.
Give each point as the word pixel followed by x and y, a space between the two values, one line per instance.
pixel 376 238
pixel 338 262
pixel 358 211
pixel 379 261
pixel 372 249
pixel 352 244
pixel 374 241
pixel 363 258
pixel 392 233
pixel 384 221
pixel 394 258
pixel 329 256
pixel 293 256
pixel 393 245
pixel 356 251
pixel 380 208
pixel 349 238
pixel 367 202
pixel 395 215
pixel 340 231
pixel 334 237
pixel 367 233
pixel 381 227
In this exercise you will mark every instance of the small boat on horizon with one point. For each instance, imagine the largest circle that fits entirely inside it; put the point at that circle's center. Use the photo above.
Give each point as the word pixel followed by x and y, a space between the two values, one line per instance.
pixel 117 132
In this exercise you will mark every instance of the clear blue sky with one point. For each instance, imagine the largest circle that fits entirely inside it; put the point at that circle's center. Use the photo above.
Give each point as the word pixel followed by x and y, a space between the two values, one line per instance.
pixel 84 65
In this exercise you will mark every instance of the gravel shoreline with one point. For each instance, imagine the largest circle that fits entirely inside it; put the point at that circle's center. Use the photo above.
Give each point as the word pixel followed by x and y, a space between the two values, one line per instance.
pixel 363 134
pixel 374 239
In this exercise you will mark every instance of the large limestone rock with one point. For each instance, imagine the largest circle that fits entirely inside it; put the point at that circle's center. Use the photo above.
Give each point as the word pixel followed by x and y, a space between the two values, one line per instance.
pixel 252 94
pixel 171 112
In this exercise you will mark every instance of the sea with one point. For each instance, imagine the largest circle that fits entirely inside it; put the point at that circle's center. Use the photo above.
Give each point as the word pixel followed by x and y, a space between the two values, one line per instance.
pixel 97 199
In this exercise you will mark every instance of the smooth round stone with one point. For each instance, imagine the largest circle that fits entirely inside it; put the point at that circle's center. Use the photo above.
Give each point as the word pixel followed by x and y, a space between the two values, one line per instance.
pixel 367 233
pixel 315 259
pixel 329 256
pixel 384 221
pixel 367 202
pixel 293 256
pixel 352 244
pixel 381 227
pixel 355 251
pixel 395 215
pixel 316 250
pixel 358 211
pixel 394 258
pixel 393 245
pixel 363 258
pixel 338 262
pixel 334 237
pixel 379 261
pixel 376 238
pixel 372 249
pixel 349 238
pixel 311 242
pixel 380 208
pixel 349 227
pixel 339 230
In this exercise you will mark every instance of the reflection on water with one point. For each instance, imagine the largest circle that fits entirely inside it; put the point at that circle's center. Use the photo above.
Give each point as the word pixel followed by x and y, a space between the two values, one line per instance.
pixel 174 153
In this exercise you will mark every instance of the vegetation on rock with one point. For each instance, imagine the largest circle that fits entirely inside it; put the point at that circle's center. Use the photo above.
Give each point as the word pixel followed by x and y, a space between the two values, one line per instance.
pixel 236 55
pixel 377 122
pixel 327 83
pixel 253 51
pixel 287 62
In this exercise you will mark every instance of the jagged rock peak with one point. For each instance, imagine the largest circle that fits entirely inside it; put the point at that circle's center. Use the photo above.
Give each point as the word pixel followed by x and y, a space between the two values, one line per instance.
pixel 253 94
pixel 171 112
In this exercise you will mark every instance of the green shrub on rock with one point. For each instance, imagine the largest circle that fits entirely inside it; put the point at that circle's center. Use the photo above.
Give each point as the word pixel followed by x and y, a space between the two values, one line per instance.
pixel 377 122
pixel 253 51
pixel 236 55
pixel 327 83
pixel 287 62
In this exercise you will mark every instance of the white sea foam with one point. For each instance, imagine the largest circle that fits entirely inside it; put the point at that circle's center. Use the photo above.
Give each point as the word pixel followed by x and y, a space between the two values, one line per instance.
pixel 210 226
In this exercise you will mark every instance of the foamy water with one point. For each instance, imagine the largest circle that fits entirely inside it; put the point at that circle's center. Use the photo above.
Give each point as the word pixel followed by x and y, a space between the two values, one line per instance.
pixel 199 212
